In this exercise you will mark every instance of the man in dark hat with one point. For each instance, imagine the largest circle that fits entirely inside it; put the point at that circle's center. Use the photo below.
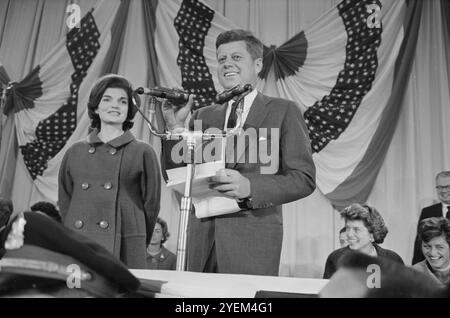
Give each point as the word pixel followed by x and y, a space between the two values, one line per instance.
pixel 41 257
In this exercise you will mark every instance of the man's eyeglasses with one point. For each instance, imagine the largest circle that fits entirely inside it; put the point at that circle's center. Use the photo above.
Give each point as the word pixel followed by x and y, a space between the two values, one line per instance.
pixel 440 188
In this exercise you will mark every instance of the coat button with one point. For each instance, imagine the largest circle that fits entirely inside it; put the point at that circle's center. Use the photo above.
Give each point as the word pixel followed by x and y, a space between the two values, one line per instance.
pixel 113 151
pixel 91 150
pixel 103 224
pixel 78 224
pixel 85 186
pixel 107 185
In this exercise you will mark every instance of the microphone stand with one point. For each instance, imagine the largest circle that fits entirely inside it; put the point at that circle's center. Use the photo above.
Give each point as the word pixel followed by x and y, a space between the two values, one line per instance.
pixel 193 138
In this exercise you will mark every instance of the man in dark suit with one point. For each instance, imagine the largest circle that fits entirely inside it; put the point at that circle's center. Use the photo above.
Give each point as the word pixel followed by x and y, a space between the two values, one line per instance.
pixel 249 240
pixel 441 209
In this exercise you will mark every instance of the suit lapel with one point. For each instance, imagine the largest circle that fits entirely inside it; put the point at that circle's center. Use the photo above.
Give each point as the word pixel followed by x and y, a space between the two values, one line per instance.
pixel 217 118
pixel 258 112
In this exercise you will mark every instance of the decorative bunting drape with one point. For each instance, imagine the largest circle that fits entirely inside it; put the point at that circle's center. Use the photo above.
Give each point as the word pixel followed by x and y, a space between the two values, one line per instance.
pixel 46 103
pixel 52 133
pixel 192 23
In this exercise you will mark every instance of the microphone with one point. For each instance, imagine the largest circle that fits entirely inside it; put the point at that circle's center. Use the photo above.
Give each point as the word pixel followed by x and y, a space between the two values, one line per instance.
pixel 173 95
pixel 232 92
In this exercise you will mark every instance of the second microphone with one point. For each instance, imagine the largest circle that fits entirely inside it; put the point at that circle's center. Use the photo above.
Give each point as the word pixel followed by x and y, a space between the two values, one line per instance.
pixel 171 94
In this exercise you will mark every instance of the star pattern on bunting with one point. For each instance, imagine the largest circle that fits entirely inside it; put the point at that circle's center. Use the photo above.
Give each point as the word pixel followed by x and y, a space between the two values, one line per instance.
pixel 53 132
pixel 329 117
pixel 192 23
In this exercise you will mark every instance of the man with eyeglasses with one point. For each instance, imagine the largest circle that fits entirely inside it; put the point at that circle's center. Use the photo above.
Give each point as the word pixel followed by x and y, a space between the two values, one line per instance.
pixel 441 209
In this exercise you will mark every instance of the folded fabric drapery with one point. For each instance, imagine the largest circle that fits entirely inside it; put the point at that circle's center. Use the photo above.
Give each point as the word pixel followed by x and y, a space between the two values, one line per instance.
pixel 21 94
pixel 287 59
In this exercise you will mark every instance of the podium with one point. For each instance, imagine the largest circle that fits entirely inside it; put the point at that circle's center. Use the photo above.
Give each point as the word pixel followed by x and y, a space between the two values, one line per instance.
pixel 173 284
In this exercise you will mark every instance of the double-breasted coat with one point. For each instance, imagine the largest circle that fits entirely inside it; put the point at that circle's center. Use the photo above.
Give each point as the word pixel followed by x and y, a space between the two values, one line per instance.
pixel 110 192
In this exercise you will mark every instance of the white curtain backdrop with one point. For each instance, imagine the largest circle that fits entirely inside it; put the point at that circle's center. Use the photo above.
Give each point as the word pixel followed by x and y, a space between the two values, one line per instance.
pixel 420 147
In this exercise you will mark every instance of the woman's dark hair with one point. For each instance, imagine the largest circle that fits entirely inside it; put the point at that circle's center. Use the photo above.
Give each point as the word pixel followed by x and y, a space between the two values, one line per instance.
pixel 434 227
pixel 370 217
pixel 164 228
pixel 99 88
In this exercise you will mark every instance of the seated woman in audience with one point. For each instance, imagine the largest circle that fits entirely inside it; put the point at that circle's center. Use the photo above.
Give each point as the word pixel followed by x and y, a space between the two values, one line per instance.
pixel 159 257
pixel 434 235
pixel 365 229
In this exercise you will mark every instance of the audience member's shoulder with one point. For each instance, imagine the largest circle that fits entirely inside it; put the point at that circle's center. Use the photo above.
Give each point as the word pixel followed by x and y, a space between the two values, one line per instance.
pixel 389 254
pixel 430 211
pixel 339 252
pixel 395 257
pixel 432 207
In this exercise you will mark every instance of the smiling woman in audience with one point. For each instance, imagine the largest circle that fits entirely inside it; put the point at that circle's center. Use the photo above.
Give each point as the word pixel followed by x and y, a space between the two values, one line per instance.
pixel 434 235
pixel 365 229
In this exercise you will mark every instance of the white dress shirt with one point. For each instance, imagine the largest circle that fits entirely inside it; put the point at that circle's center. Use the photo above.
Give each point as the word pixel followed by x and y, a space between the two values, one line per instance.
pixel 444 209
pixel 248 101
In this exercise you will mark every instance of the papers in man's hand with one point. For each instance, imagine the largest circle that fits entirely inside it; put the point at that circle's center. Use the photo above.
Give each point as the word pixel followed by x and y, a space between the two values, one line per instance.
pixel 215 205
pixel 200 184
pixel 208 202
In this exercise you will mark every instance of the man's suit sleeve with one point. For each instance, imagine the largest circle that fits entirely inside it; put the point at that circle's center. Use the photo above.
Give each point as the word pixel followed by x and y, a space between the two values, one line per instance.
pixel 296 175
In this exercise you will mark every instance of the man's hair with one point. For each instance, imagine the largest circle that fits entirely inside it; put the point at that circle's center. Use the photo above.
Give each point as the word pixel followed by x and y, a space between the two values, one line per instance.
pixel 99 88
pixel 443 174
pixel 47 208
pixel 431 228
pixel 164 228
pixel 6 210
pixel 254 45
pixel 370 217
